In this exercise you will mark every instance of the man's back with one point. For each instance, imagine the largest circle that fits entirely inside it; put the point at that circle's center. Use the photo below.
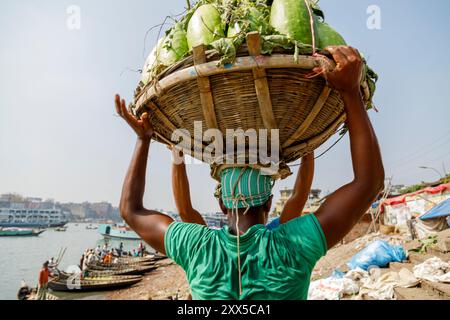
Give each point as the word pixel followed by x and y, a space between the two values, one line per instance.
pixel 43 276
pixel 274 264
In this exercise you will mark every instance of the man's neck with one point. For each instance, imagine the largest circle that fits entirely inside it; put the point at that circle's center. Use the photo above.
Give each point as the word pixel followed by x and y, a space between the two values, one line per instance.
pixel 245 221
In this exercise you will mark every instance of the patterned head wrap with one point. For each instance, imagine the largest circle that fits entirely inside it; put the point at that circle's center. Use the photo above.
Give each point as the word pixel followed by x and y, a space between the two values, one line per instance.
pixel 244 187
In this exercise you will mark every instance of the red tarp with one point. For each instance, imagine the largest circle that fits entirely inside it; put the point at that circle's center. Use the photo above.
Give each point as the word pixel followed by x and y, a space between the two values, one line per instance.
pixel 402 199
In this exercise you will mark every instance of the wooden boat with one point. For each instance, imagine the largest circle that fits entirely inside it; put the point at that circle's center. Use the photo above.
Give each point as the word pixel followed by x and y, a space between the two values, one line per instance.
pixel 93 284
pixel 48 296
pixel 98 277
pixel 122 267
pixel 119 265
pixel 109 273
pixel 133 260
pixel 124 272
pixel 27 293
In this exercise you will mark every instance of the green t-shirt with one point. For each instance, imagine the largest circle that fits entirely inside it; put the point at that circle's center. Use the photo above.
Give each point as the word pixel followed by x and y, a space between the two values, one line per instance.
pixel 275 265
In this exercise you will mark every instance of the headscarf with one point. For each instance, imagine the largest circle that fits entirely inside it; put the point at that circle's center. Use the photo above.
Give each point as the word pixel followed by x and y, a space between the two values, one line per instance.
pixel 244 187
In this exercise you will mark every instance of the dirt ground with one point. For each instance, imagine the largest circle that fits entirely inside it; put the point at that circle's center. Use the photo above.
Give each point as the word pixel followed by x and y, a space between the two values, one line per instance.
pixel 163 283
pixel 169 280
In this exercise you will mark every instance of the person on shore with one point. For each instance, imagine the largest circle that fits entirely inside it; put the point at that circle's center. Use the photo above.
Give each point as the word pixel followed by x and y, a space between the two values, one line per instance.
pixel 43 282
pixel 244 260
pixel 292 209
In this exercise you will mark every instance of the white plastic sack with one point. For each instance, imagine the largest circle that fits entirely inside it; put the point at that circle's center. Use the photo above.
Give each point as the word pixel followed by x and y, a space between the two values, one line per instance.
pixel 434 270
pixel 332 289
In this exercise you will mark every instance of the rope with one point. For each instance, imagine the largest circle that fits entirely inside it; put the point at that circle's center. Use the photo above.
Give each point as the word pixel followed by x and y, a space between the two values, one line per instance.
pixel 323 153
pixel 235 210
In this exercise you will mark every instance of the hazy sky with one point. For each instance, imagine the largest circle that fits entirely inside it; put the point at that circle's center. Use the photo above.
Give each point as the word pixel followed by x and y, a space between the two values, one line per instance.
pixel 59 137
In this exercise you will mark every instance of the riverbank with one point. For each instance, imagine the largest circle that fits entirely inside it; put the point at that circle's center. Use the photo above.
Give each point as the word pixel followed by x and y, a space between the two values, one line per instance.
pixel 169 280
pixel 162 284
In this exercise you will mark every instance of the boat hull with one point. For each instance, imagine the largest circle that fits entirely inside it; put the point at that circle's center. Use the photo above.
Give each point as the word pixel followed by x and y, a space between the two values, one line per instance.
pixel 32 225
pixel 85 286
pixel 20 233
pixel 110 232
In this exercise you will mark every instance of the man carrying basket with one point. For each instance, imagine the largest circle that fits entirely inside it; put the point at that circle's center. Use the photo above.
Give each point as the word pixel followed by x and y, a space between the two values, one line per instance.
pixel 245 260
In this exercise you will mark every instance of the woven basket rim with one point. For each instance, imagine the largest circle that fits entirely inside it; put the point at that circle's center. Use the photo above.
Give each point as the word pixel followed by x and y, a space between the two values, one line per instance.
pixel 178 73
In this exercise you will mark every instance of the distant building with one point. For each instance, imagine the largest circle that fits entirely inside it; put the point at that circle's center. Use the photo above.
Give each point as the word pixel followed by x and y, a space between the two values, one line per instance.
pixel 311 204
pixel 285 195
pixel 396 190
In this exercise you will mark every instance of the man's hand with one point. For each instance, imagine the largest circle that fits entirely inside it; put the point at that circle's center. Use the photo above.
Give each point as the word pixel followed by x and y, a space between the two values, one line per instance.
pixel 346 77
pixel 143 128
pixel 177 155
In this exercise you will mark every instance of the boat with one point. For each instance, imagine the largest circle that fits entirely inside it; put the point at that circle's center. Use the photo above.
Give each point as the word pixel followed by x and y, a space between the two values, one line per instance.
pixel 105 284
pixel 127 271
pixel 91 227
pixel 27 293
pixel 108 273
pixel 61 229
pixel 20 232
pixel 136 259
pixel 31 213
pixel 117 231
pixel 119 266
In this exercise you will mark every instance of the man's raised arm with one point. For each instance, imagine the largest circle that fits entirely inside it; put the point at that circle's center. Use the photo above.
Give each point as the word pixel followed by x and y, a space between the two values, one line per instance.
pixel 345 207
pixel 181 190
pixel 294 206
pixel 150 225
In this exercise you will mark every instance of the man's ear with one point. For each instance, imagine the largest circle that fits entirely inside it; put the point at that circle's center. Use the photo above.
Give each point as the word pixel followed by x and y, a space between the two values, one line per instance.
pixel 268 204
pixel 222 207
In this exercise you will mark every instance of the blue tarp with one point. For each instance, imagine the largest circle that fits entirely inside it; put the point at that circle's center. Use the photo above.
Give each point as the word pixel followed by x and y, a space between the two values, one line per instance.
pixel 377 254
pixel 441 210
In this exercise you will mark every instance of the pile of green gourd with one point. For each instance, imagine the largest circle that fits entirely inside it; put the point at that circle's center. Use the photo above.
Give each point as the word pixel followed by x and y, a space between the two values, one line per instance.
pixel 223 25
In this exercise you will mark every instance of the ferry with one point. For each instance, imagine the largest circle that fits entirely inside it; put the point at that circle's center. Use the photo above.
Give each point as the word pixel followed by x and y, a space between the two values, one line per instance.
pixel 30 213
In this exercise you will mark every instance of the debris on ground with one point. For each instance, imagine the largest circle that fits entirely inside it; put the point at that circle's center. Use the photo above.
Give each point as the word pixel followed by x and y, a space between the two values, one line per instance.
pixel 421 271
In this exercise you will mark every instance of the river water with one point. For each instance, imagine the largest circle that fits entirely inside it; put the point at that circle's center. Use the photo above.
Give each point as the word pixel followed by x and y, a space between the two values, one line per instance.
pixel 22 258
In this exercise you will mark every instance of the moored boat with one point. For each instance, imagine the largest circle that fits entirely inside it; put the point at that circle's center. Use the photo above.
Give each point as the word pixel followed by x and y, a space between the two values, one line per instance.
pixel 118 232
pixel 109 273
pixel 109 283
pixel 128 260
pixel 20 232
pixel 119 266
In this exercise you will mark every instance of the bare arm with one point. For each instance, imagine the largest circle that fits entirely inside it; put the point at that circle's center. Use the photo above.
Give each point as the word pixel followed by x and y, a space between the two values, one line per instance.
pixel 150 225
pixel 344 208
pixel 181 192
pixel 294 206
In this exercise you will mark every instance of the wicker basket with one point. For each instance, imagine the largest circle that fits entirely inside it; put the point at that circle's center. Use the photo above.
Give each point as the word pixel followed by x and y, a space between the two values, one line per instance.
pixel 256 92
